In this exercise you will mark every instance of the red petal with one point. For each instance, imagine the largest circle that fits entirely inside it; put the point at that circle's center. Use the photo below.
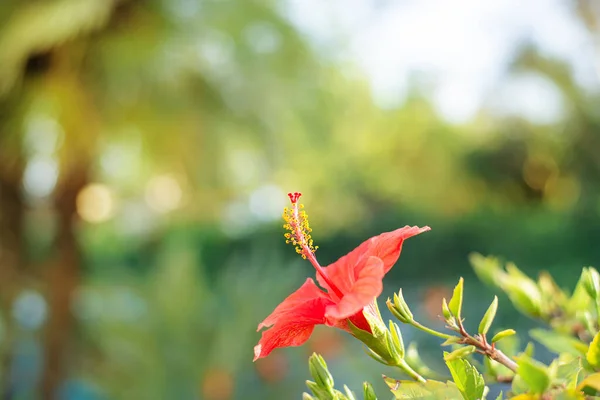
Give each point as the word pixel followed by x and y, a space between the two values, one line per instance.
pixel 359 320
pixel 386 246
pixel 293 327
pixel 307 292
pixel 368 286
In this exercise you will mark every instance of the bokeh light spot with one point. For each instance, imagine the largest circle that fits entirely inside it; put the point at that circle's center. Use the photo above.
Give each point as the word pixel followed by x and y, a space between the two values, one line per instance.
pixel 273 368
pixel 539 170
pixel 263 38
pixel 40 176
pixel 43 135
pixel 95 203
pixel 266 202
pixel 217 385
pixel 163 193
pixel 30 309
pixel 562 193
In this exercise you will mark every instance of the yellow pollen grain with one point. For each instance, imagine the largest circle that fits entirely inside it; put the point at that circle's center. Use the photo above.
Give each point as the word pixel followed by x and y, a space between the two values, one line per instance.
pixel 299 230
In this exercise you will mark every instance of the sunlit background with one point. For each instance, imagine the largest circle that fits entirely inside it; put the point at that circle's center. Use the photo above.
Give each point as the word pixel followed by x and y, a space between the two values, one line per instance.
pixel 146 149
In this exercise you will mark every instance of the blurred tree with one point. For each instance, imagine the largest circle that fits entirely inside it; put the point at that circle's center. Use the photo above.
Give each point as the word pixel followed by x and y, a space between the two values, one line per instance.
pixel 42 63
pixel 98 70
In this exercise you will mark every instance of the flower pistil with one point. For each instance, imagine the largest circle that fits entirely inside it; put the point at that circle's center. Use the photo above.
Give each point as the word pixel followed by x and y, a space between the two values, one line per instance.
pixel 296 222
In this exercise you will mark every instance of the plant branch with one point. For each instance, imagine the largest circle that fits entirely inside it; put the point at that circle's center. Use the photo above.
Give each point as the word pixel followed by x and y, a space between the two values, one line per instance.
pixel 485 348
pixel 504 379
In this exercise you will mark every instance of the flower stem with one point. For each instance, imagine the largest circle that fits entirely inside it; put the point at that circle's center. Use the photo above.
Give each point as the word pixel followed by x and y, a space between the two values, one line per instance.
pixel 407 369
pixel 429 330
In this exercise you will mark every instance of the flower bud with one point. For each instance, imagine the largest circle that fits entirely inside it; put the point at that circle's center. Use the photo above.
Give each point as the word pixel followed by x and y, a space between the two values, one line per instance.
pixel 400 309
pixel 400 317
pixel 319 392
pixel 349 394
pixel 368 392
pixel 373 317
pixel 319 372
pixel 591 282
pixel 396 340
pixel 446 311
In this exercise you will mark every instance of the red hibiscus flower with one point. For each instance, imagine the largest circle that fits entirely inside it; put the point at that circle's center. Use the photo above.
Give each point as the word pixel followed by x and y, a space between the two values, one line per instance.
pixel 350 285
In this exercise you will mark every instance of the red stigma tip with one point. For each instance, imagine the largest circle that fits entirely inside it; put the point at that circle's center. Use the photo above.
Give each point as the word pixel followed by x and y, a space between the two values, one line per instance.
pixel 294 197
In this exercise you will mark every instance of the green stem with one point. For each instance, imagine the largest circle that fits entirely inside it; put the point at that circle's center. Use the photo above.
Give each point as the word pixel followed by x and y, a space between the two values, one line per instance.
pixel 403 365
pixel 430 331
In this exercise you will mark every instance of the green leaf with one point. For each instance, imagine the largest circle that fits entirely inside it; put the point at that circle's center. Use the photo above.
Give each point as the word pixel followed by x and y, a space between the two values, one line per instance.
pixel 529 349
pixel 535 374
pixel 569 395
pixel 593 354
pixel 558 342
pixel 518 385
pixel 568 371
pixel 413 359
pixel 461 352
pixel 553 295
pixel 490 368
pixel 467 379
pixel 503 334
pixel 430 390
pixel 579 301
pixel 495 369
pixel 455 304
pixel 499 396
pixel 509 345
pixel 522 291
pixel 488 318
pixel 590 385
pixel 487 269
pixel 452 340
